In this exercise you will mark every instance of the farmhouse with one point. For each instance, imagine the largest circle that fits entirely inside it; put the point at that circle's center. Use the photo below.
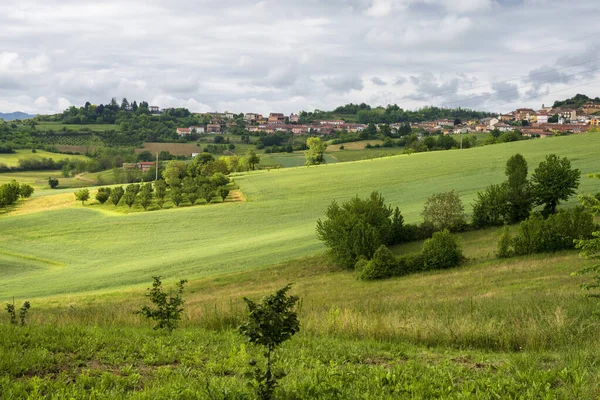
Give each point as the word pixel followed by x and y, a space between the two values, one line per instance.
pixel 197 129
pixel 144 166
pixel 276 118
pixel 183 131
pixel 213 128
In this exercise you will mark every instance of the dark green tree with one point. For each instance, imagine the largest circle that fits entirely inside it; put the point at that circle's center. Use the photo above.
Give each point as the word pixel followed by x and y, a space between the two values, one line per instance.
pixel 103 194
pixel 52 182
pixel 554 181
pixel 82 195
pixel 518 190
pixel 116 194
pixel 168 307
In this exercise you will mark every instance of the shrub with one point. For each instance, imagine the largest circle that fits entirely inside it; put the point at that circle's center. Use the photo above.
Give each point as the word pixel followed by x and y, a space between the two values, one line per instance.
pixel 116 194
pixel 52 182
pixel 381 266
pixel 82 195
pixel 504 244
pixel 168 307
pixel 445 211
pixel 10 308
pixel 357 228
pixel 441 251
pixel 558 232
pixel 271 322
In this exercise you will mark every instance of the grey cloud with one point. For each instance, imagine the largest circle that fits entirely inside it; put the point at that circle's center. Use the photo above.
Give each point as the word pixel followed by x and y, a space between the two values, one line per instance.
pixel 286 54
pixel 344 83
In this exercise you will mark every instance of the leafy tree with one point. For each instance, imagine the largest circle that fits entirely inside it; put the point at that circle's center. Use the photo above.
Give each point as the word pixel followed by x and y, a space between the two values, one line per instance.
pixel 207 192
pixel 168 307
pixel 219 179
pixel 25 191
pixel 444 211
pixel 174 172
pixel 146 195
pixel 316 148
pixel 103 194
pixel 222 192
pixel 160 189
pixel 271 322
pixel 356 228
pixel 176 195
pixel 52 182
pixel 252 159
pixel 518 190
pixel 491 207
pixel 385 130
pixel 116 194
pixel 82 195
pixel 145 156
pixel 191 189
pixel 554 180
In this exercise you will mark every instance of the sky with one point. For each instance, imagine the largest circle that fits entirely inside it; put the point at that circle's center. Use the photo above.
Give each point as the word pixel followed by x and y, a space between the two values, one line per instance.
pixel 289 55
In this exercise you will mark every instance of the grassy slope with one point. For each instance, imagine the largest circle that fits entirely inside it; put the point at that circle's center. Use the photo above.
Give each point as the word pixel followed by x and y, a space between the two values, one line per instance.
pixel 276 223
pixel 12 160
pixel 57 126
pixel 517 328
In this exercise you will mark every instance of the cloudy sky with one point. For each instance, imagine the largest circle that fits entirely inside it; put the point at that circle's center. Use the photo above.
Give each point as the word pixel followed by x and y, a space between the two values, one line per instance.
pixel 289 55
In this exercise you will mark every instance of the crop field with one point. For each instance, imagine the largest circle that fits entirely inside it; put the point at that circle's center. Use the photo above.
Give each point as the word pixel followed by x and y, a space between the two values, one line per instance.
pixel 286 160
pixel 277 222
pixel 179 149
pixel 360 145
pixel 12 160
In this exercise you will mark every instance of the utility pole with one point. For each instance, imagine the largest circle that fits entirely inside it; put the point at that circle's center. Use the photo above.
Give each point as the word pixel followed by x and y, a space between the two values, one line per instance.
pixel 461 140
pixel 156 166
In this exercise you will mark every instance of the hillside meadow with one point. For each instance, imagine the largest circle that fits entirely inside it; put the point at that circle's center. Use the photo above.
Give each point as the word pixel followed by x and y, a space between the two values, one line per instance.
pixel 490 329
pixel 82 249
pixel 12 160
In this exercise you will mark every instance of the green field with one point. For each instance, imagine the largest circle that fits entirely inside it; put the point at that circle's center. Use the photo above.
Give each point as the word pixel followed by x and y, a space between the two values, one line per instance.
pixel 276 223
pixel 492 328
pixel 57 126
pixel 12 160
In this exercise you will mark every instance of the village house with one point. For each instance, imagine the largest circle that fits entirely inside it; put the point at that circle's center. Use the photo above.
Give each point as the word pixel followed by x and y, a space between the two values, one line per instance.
pixel 294 118
pixel 524 114
pixel 336 122
pixel 502 127
pixel 567 115
pixel 183 131
pixel 507 117
pixel 590 108
pixel 443 122
pixel 276 118
pixel 197 129
pixel 542 118
pixel 595 121
pixel 481 128
pixel 250 117
pixel 144 166
pixel 213 128
pixel 229 115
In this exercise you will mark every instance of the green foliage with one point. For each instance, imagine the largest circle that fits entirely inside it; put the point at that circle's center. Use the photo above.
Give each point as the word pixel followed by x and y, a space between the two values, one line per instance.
pixel 381 266
pixel 12 191
pixel 207 192
pixel 316 148
pixel 10 308
pixel 557 232
pixel 116 194
pixel 357 228
pixel 441 251
pixel 271 322
pixel 176 195
pixel 160 190
pixel 53 183
pixel 590 251
pixel 168 307
pixel 519 198
pixel 145 195
pixel 82 195
pixel 252 159
pixel 222 192
pixel 491 207
pixel 504 244
pixel 103 194
pixel 554 180
pixel 445 211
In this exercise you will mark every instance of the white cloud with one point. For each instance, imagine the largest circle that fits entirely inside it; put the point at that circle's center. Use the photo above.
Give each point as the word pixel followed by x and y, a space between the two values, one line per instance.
pixel 285 55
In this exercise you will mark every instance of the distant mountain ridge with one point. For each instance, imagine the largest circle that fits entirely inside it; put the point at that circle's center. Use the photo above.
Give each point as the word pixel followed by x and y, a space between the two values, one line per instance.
pixel 15 115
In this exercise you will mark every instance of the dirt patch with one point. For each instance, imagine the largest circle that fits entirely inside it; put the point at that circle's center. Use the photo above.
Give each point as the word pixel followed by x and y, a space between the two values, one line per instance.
pixel 353 145
pixel 45 203
pixel 75 149
pixel 235 196
pixel 178 149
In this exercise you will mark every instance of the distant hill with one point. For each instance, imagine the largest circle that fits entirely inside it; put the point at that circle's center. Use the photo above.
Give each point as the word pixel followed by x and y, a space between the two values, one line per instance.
pixel 15 115
pixel 576 101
